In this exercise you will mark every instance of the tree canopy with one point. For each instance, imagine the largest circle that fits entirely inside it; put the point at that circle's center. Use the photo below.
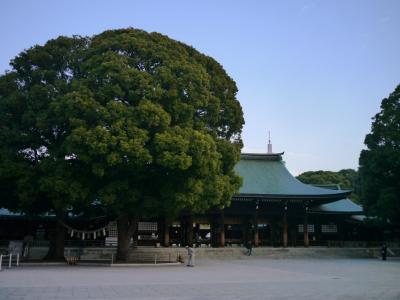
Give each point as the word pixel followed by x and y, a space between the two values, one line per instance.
pixel 346 179
pixel 380 162
pixel 144 124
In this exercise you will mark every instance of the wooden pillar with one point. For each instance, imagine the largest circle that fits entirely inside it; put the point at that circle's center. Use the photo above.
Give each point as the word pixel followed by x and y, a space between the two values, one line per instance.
pixel 189 230
pixel 305 228
pixel 285 227
pixel 244 230
pixel 317 228
pixel 293 236
pixel 166 228
pixel 214 231
pixel 272 233
pixel 221 230
pixel 256 235
pixel 196 238
pixel 182 237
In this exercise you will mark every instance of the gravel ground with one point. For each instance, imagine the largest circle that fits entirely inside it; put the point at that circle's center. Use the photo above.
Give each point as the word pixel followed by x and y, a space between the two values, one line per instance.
pixel 252 278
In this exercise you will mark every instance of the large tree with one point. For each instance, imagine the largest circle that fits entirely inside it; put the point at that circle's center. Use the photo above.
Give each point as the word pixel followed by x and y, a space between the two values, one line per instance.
pixel 380 162
pixel 346 179
pixel 36 174
pixel 152 125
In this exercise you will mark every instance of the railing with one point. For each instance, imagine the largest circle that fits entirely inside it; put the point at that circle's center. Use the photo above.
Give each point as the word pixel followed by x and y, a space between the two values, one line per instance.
pixel 74 258
pixel 155 258
pixel 85 243
pixel 101 244
pixel 8 259
pixel 361 244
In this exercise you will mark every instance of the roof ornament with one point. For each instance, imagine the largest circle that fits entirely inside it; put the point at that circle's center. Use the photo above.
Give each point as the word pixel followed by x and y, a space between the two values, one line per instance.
pixel 269 143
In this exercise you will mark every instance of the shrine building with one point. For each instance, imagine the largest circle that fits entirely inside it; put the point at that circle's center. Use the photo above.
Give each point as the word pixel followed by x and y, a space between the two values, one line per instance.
pixel 272 208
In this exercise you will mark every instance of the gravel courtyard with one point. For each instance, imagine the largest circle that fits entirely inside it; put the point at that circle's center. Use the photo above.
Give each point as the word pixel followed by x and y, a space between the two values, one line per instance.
pixel 252 278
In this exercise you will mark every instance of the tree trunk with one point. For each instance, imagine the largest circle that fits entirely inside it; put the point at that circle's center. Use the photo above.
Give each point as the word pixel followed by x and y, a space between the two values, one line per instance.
pixel 57 240
pixel 166 227
pixel 189 230
pixel 221 229
pixel 126 228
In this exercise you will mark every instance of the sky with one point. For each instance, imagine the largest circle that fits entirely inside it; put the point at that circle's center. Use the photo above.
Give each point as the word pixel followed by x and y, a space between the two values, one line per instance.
pixel 313 73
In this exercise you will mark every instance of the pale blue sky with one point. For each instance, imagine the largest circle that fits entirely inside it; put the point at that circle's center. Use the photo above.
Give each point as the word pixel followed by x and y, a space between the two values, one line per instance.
pixel 311 72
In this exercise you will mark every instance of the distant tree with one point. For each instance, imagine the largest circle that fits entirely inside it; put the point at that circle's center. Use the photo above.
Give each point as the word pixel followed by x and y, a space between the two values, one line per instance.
pixel 146 125
pixel 346 179
pixel 380 162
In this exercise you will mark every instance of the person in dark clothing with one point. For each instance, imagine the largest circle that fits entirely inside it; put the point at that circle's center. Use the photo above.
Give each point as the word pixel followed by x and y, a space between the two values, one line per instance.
pixel 249 247
pixel 384 251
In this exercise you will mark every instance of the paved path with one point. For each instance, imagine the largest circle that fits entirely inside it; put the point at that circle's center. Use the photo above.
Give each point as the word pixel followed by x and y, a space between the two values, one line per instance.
pixel 252 278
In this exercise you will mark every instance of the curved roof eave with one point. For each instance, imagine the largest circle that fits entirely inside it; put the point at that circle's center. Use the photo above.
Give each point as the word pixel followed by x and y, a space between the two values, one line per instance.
pixel 266 176
pixel 337 196
pixel 342 206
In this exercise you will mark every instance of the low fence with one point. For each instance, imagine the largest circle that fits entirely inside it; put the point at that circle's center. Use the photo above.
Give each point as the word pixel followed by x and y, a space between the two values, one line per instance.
pixel 97 250
pixel 8 260
pixel 102 244
pixel 360 244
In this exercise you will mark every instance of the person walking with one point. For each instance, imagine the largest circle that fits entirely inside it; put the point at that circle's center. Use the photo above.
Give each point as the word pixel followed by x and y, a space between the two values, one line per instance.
pixel 249 247
pixel 190 252
pixel 384 251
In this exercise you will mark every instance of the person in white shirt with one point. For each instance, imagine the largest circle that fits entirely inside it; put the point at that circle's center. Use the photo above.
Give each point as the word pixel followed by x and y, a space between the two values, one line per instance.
pixel 190 251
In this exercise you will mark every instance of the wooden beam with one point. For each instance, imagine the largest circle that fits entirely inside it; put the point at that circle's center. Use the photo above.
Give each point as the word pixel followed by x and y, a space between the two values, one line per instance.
pixel 272 233
pixel 189 230
pixel 285 228
pixel 305 228
pixel 255 224
pixel 221 231
pixel 256 236
pixel 166 227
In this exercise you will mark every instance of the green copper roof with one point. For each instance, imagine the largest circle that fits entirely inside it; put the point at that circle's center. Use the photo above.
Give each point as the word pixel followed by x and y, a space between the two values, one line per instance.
pixel 340 206
pixel 266 175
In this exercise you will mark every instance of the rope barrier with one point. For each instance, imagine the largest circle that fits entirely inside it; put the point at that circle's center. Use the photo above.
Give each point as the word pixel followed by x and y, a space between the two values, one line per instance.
pixel 83 233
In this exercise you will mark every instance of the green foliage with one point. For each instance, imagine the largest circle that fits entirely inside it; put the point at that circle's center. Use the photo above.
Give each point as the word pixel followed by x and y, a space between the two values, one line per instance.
pixel 380 162
pixel 35 177
pixel 346 179
pixel 146 125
